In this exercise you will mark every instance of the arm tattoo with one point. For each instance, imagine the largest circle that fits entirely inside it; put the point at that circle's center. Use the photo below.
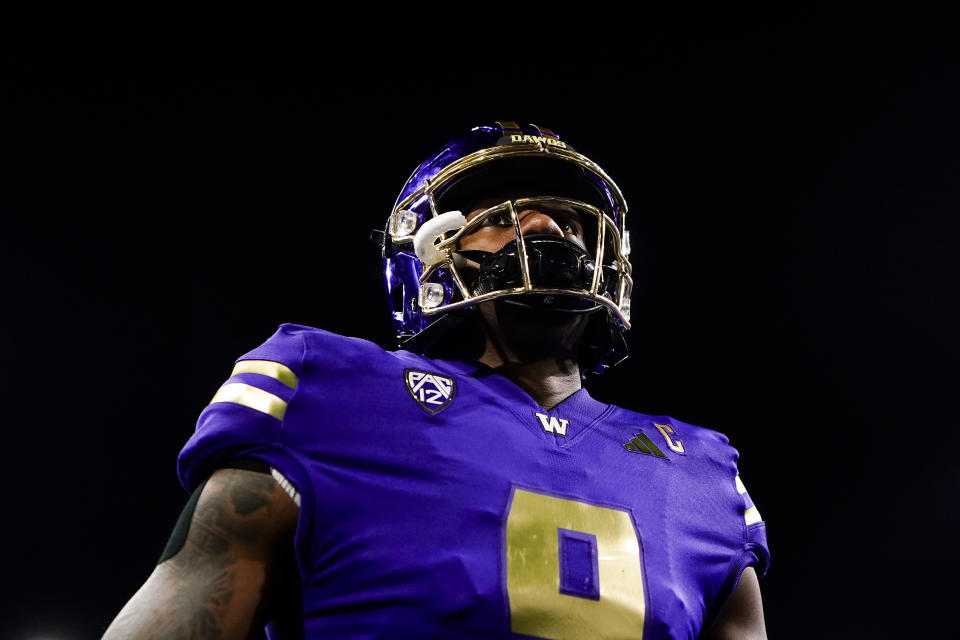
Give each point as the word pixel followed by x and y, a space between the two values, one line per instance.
pixel 249 496
pixel 199 583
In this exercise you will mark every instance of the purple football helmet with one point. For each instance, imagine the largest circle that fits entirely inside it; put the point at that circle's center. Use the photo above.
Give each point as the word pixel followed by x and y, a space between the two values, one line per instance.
pixel 431 281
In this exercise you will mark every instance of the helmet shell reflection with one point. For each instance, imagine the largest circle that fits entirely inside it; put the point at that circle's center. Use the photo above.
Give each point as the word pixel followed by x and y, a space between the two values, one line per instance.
pixel 532 270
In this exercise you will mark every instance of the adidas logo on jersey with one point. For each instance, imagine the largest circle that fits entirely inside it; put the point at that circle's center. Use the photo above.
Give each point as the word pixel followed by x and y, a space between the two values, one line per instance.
pixel 640 443
pixel 552 424
pixel 432 391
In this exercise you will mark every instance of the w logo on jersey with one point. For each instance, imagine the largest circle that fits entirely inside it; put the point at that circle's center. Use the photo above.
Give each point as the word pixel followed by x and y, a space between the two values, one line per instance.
pixel 432 391
pixel 552 424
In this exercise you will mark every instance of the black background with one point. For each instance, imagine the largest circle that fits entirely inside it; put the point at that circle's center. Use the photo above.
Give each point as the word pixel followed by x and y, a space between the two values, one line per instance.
pixel 793 195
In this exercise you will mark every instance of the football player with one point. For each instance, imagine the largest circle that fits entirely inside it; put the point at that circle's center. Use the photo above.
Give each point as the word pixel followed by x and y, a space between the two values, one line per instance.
pixel 465 485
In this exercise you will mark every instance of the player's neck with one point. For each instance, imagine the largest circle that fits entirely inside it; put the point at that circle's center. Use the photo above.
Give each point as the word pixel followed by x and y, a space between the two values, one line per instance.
pixel 536 349
pixel 549 381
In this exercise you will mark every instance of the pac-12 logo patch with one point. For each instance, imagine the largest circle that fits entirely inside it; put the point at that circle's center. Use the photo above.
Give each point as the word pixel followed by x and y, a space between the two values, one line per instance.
pixel 432 391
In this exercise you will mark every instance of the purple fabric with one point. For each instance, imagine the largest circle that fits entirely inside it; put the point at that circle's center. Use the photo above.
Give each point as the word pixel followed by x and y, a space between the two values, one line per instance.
pixel 579 572
pixel 402 515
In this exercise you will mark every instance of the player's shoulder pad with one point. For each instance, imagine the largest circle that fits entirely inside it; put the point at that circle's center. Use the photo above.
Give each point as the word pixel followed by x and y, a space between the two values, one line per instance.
pixel 326 350
pixel 723 458
pixel 714 465
pixel 266 378
pixel 708 442
pixel 247 414
pixel 286 346
pixel 300 348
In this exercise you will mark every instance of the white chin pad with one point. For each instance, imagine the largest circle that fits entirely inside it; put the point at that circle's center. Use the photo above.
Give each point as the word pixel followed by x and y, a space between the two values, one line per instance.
pixel 423 241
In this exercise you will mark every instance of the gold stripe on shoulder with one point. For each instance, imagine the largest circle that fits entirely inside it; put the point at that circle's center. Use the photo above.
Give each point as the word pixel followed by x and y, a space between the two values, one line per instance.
pixel 262 401
pixel 752 516
pixel 740 488
pixel 269 368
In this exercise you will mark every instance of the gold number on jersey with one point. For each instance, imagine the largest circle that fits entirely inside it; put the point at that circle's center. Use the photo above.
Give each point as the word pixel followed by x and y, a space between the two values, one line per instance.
pixel 537 608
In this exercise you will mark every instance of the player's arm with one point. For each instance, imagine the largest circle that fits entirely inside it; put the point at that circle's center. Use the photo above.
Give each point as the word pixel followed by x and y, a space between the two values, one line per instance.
pixel 742 616
pixel 218 584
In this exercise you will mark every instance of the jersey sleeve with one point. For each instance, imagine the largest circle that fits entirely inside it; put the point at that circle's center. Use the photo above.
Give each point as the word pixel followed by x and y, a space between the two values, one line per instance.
pixel 754 550
pixel 727 521
pixel 245 417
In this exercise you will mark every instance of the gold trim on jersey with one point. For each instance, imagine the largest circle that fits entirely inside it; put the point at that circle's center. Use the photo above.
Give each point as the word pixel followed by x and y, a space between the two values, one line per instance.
pixel 244 394
pixel 275 370
pixel 740 488
pixel 751 515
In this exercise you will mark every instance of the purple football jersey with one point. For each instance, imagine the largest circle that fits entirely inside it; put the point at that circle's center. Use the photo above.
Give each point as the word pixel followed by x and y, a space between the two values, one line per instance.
pixel 438 500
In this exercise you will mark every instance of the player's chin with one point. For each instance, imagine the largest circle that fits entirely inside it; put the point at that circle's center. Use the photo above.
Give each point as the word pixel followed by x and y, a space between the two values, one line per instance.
pixel 541 331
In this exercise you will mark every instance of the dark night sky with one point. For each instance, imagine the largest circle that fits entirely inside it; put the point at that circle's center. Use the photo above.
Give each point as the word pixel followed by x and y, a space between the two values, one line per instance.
pixel 793 207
